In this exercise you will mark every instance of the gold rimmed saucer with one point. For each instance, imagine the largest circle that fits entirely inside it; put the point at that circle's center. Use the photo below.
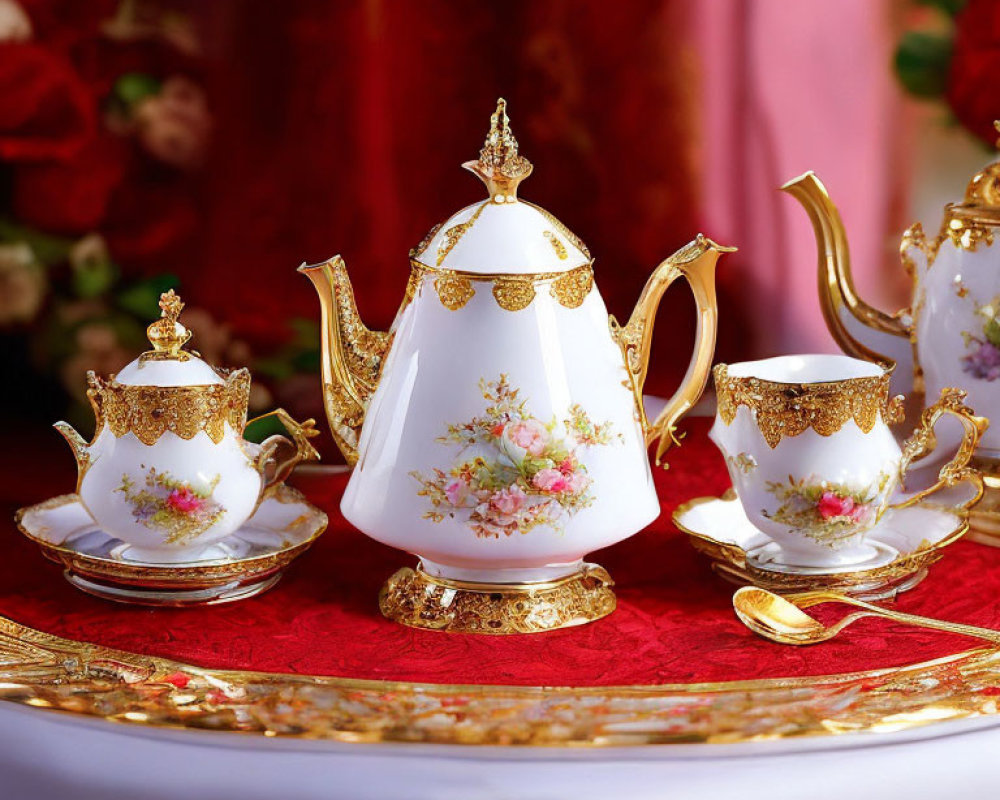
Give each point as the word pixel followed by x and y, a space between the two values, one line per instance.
pixel 247 563
pixel 916 536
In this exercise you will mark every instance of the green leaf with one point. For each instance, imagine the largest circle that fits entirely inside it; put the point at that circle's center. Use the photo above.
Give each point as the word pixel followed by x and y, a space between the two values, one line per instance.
pixel 143 298
pixel 132 87
pixel 951 8
pixel 921 62
pixel 48 249
pixel 93 277
pixel 991 330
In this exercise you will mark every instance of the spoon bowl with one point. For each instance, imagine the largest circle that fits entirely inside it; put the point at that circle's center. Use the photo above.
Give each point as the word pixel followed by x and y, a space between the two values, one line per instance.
pixel 782 620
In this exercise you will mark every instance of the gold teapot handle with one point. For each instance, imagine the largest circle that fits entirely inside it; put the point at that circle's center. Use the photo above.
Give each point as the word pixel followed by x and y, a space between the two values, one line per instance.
pixel 696 263
pixel 836 282
pixel 297 449
pixel 923 441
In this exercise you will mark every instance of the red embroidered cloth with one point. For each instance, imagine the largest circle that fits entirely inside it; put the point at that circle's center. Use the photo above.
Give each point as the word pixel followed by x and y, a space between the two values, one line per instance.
pixel 674 621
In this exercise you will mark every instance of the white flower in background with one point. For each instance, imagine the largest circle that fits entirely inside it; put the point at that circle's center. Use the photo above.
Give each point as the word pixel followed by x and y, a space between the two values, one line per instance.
pixel 174 125
pixel 15 26
pixel 22 283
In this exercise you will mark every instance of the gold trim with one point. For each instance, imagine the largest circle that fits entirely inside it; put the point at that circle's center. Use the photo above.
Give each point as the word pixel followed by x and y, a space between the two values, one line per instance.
pixel 512 291
pixel 178 576
pixel 352 354
pixel 148 412
pixel 499 167
pixel 419 250
pixel 453 234
pixel 836 283
pixel 167 335
pixel 414 598
pixel 696 263
pixel 49 672
pixel 561 253
pixel 731 563
pixel 513 294
pixel 576 241
pixel 572 288
pixel 788 409
pixel 453 291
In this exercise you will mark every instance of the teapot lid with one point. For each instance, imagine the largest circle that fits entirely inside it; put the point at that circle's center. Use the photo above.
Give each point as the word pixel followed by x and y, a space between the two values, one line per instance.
pixel 502 234
pixel 167 364
pixel 982 195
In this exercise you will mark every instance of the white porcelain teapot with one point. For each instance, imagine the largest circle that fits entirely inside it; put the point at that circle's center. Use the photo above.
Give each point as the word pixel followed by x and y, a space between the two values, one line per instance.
pixel 168 471
pixel 497 430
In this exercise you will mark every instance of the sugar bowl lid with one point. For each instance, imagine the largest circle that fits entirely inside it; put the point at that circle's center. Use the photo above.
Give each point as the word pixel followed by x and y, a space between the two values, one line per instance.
pixel 168 364
pixel 501 234
pixel 982 195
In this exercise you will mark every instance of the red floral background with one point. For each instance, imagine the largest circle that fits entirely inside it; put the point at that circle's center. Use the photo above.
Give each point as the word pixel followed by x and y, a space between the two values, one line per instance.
pixel 222 144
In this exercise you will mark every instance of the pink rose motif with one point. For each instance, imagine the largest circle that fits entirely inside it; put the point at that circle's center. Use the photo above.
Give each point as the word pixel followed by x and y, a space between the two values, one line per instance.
pixel 577 482
pixel 566 466
pixel 550 480
pixel 832 505
pixel 456 492
pixel 184 500
pixel 505 504
pixel 528 434
pixel 861 513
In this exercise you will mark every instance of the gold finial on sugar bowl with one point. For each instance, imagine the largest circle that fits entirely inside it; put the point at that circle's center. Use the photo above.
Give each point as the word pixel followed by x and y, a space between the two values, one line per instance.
pixel 167 335
pixel 499 166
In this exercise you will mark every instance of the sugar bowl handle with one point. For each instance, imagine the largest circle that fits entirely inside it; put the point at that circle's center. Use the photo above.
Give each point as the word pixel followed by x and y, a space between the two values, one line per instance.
pixel 923 441
pixel 279 455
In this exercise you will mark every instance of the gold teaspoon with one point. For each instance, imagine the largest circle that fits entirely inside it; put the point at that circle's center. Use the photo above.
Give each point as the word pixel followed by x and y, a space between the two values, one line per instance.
pixel 783 621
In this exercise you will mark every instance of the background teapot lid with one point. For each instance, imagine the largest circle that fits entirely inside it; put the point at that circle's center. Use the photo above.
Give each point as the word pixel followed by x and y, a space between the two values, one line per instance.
pixel 982 195
pixel 502 234
pixel 168 364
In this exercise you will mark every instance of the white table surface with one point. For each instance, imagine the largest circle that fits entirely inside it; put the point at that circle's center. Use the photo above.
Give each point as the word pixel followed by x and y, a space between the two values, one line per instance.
pixel 47 755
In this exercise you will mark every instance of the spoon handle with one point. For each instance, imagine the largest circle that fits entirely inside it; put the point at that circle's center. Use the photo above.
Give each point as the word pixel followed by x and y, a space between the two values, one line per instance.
pixel 813 598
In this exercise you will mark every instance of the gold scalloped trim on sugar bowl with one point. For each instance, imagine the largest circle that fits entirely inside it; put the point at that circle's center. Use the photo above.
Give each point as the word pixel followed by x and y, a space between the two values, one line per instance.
pixel 148 412
pixel 512 291
pixel 788 409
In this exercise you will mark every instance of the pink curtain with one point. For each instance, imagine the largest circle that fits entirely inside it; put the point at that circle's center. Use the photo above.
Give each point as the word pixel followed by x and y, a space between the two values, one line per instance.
pixel 788 87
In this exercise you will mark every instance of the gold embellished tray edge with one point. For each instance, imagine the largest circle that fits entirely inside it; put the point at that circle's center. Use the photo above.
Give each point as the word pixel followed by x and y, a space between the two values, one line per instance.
pixel 92 681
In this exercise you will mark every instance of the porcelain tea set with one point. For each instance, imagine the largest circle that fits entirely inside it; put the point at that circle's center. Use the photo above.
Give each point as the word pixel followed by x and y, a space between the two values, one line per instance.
pixel 497 431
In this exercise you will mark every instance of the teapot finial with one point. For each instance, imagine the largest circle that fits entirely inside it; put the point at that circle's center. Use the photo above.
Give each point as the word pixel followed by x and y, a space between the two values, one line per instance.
pixel 167 335
pixel 499 165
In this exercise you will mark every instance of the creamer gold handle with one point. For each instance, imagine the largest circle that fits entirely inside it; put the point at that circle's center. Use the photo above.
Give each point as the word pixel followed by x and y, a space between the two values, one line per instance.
pixel 696 264
pixel 836 283
pixel 272 459
pixel 923 441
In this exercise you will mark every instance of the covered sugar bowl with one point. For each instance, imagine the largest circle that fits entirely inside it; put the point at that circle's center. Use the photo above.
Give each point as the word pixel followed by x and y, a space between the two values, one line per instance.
pixel 168 471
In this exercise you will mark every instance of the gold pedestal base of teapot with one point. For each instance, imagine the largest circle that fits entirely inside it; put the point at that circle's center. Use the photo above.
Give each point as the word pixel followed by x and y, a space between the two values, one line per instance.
pixel 414 598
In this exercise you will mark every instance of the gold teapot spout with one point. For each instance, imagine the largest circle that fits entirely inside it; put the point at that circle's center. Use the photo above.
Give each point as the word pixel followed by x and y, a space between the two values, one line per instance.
pixel 696 263
pixel 79 446
pixel 836 283
pixel 352 354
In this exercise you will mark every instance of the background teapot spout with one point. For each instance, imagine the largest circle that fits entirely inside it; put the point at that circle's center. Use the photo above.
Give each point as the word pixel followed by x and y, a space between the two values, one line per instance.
pixel 79 446
pixel 836 283
pixel 352 354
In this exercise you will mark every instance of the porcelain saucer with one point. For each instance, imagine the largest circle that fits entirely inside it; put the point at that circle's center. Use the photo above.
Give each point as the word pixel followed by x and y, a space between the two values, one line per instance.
pixel 904 544
pixel 246 563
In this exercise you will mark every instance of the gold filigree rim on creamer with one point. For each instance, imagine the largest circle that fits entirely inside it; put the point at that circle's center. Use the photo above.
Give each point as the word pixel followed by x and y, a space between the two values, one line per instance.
pixel 45 671
pixel 789 409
